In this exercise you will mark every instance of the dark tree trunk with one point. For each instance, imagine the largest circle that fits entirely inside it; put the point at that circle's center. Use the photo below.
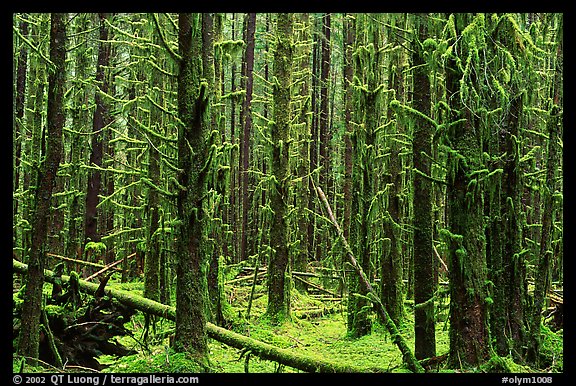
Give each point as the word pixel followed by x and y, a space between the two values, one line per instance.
pixel 29 338
pixel 424 288
pixel 247 70
pixel 101 119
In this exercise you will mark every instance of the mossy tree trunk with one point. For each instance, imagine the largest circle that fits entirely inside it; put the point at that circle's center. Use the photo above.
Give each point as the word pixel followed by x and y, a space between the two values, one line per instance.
pixel 391 262
pixel 212 34
pixel 80 120
pixel 469 331
pixel 18 134
pixel 324 146
pixel 152 208
pixel 301 161
pixel 348 32
pixel 368 87
pixel 279 282
pixel 506 262
pixel 246 116
pixel 33 129
pixel 29 338
pixel 424 263
pixel 543 272
pixel 190 333
pixel 314 141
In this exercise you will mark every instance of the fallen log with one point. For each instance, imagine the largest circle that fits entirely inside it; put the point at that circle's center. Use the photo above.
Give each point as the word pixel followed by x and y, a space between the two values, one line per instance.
pixel 316 286
pixel 261 349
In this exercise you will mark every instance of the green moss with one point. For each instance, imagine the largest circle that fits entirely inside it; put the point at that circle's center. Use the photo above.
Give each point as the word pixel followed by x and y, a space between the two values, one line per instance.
pixel 162 360
pixel 551 349
pixel 498 364
pixel 97 248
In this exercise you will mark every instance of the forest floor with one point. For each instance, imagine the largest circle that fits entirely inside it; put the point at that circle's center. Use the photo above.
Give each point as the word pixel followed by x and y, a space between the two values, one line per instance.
pixel 320 335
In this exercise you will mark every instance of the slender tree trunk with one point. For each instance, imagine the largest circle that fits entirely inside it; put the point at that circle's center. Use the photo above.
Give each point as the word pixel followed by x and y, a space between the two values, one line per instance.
pixel 152 253
pixel 99 123
pixel 314 143
pixel 322 242
pixel 391 262
pixel 349 26
pixel 209 22
pixel 248 71
pixel 29 338
pixel 367 71
pixel 301 188
pixel 548 217
pixel 18 133
pixel 80 118
pixel 234 178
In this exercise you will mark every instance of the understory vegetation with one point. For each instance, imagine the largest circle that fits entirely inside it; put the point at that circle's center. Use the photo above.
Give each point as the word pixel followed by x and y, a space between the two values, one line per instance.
pixel 318 329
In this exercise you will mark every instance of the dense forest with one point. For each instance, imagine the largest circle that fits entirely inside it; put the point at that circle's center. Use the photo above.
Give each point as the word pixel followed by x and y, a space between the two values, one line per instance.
pixel 287 192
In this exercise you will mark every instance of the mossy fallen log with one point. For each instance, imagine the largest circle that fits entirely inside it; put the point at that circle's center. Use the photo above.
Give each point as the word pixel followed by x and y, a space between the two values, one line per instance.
pixel 261 349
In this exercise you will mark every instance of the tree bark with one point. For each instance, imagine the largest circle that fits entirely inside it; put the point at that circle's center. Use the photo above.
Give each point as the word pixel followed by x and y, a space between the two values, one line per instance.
pixel 469 332
pixel 28 343
pixel 99 123
pixel 545 256
pixel 279 282
pixel 424 263
pixel 248 71
pixel 192 105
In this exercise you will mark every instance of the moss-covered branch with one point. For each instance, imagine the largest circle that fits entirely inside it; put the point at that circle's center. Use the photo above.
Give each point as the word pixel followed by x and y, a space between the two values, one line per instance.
pixel 407 355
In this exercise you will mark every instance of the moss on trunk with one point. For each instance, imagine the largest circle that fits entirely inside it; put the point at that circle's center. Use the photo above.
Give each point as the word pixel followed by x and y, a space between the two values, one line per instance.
pixel 279 282
pixel 29 337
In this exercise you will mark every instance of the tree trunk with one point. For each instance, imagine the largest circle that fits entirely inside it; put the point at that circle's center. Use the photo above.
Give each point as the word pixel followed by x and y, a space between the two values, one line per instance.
pixel 302 164
pixel 248 71
pixel 100 121
pixel 469 333
pixel 279 282
pixel 18 129
pixel 543 273
pixel 28 343
pixel 349 26
pixel 424 262
pixel 192 105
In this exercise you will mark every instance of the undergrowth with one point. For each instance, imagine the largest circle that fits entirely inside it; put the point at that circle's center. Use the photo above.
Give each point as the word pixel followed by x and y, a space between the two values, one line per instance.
pixel 322 337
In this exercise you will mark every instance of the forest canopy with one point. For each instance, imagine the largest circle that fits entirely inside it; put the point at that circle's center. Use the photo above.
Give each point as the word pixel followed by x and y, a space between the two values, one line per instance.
pixel 326 192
